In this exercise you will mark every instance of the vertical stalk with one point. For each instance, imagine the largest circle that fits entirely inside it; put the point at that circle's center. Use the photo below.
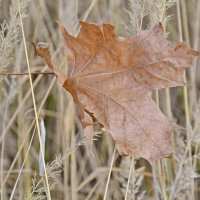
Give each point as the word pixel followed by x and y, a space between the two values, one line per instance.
pixel 171 165
pixel 185 93
pixel 20 171
pixel 34 102
pixel 162 179
pixel 20 131
pixel 131 171
pixel 3 150
pixel 109 174
pixel 195 46
pixel 73 166
pixel 168 103
pixel 160 164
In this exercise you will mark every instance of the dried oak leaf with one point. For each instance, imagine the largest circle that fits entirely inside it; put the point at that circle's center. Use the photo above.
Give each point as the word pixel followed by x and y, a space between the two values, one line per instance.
pixel 112 79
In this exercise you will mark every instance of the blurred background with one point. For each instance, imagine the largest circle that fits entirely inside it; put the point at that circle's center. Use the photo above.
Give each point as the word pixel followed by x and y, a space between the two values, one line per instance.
pixel 75 169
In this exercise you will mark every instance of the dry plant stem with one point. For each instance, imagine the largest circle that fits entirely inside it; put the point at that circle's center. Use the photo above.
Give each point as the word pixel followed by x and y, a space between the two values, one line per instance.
pixel 196 38
pixel 184 30
pixel 19 174
pixel 167 163
pixel 109 174
pixel 160 164
pixel 64 141
pixel 73 166
pixel 193 102
pixel 3 151
pixel 34 103
pixel 66 137
pixel 186 103
pixel 171 164
pixel 168 103
pixel 89 9
pixel 68 124
pixel 62 138
pixel 195 46
pixel 155 180
pixel 131 171
pixel 178 174
pixel 169 114
pixel 194 77
pixel 26 73
pixel 185 21
pixel 21 127
pixel 162 179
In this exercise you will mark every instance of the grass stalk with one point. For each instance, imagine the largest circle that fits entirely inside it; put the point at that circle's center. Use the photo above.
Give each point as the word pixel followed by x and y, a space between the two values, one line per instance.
pixel 187 116
pixel 160 164
pixel 178 174
pixel 73 166
pixel 86 14
pixel 34 103
pixel 109 174
pixel 3 151
pixel 170 164
pixel 162 179
pixel 19 174
pixel 185 93
pixel 131 171
pixel 195 46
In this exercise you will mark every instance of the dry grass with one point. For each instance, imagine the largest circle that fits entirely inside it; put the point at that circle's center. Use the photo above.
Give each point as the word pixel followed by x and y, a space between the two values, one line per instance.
pixel 75 170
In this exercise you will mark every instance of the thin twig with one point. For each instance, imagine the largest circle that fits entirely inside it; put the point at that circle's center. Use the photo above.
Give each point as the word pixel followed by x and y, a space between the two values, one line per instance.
pixel 24 73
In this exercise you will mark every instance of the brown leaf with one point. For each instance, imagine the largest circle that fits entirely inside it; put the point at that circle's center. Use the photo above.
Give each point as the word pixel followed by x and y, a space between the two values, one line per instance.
pixel 112 78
